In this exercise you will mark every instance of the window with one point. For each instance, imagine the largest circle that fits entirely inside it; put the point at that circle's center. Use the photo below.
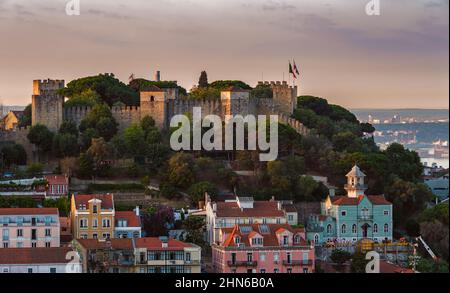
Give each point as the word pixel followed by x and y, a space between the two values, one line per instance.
pixel 288 257
pixel 5 244
pixel 19 245
pixel 152 98
pixel 289 271
pixel 343 213
pixel 343 229
pixel 329 229
pixel 285 240
pixel 276 256
pixel 33 234
pixel 386 228
pixel 5 270
pixel 84 236
pixel 95 236
pixel 106 223
pixel 249 257
pixel 47 244
pixel 386 212
pixel 316 238
pixel 354 229
pixel 52 270
pixel 33 221
pixel 188 256
pixel 262 271
pixel 237 240
pixel 19 233
pixel 94 223
pixel 290 218
pixel 33 244
pixel 122 223
pixel 94 209
pixel 233 258
pixel 257 241
pixel 305 270
pixel 30 270
pixel 48 221
pixel 48 233
pixel 297 239
pixel 5 236
pixel 375 228
pixel 262 256
pixel 83 223
pixel 106 235
pixel 276 271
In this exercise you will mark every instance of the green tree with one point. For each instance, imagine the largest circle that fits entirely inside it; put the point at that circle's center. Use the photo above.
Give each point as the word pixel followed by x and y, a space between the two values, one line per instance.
pixel 68 127
pixel 180 170
pixel 197 191
pixel 134 138
pixel 62 204
pixel 203 80
pixel 25 120
pixel 194 228
pixel 86 163
pixel 101 120
pixel 65 145
pixel 35 169
pixel 359 262
pixel 40 136
pixel 13 154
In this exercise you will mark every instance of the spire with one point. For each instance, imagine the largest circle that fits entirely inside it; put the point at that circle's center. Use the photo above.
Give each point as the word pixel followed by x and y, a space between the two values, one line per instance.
pixel 355 182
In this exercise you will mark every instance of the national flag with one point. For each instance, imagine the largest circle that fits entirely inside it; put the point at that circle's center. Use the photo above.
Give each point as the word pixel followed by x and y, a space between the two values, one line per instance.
pixel 291 71
pixel 296 69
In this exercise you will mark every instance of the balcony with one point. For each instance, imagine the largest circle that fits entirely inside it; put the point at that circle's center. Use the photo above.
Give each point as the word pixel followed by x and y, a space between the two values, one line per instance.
pixel 242 263
pixel 307 262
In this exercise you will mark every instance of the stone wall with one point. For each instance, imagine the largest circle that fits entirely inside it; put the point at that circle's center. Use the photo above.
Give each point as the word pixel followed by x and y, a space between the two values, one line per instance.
pixel 47 104
pixel 19 136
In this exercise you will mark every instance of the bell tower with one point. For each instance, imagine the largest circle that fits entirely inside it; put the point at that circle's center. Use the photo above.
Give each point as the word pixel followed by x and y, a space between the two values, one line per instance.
pixel 355 182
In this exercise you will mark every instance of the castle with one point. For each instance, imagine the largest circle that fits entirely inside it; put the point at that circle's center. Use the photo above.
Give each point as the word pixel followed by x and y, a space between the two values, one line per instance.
pixel 161 104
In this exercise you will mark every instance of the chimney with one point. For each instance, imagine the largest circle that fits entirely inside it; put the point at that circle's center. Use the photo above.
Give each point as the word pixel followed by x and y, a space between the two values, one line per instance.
pixel 158 75
pixel 164 241
pixel 279 205
pixel 214 207
pixel 137 211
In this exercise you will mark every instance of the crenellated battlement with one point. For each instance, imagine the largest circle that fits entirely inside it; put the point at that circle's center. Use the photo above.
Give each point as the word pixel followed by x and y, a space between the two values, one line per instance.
pixel 47 85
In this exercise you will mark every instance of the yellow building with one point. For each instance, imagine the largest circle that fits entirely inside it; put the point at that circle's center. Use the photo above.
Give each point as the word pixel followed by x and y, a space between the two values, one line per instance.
pixel 11 120
pixel 92 216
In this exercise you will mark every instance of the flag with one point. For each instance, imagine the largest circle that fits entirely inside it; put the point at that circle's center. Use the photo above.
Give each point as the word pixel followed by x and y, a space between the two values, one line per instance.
pixel 296 69
pixel 131 78
pixel 291 71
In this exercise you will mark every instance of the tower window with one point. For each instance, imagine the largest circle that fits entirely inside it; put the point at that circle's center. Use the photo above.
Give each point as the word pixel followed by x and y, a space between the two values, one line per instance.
pixel 152 98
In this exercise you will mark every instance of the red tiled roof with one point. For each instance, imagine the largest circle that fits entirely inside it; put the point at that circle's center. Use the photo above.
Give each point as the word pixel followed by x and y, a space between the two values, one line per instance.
pixel 260 209
pixel 116 243
pixel 56 179
pixel 36 255
pixel 390 268
pixel 290 208
pixel 83 199
pixel 374 199
pixel 132 219
pixel 269 239
pixel 29 211
pixel 154 243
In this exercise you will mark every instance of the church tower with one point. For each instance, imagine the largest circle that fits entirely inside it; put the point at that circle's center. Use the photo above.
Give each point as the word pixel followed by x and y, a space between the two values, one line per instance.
pixel 355 182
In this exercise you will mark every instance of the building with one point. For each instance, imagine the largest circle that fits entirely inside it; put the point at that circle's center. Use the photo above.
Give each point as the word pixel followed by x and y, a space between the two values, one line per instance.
pixel 165 255
pixel 138 255
pixel 39 260
pixel 244 210
pixel 57 186
pixel 11 120
pixel 108 256
pixel 263 248
pixel 66 230
pixel 438 185
pixel 92 216
pixel 353 217
pixel 29 227
pixel 128 224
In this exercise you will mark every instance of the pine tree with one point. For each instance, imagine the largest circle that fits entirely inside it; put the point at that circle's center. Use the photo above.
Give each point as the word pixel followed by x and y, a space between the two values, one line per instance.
pixel 203 80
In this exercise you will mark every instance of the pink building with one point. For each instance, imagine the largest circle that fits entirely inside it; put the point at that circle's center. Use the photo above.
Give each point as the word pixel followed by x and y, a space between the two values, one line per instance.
pixel 263 248
pixel 58 185
pixel 29 227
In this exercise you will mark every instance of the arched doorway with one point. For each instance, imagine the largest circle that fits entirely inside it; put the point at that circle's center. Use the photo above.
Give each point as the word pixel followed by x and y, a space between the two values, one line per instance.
pixel 365 230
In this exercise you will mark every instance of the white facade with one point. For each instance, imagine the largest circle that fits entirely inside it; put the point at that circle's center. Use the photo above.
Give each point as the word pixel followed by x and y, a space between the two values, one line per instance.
pixel 39 268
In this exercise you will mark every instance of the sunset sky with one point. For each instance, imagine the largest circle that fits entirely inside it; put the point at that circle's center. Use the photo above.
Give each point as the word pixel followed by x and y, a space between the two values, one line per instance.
pixel 396 60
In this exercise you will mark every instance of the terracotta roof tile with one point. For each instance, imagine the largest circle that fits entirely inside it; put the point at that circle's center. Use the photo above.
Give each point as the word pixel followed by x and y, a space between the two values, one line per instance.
pixel 56 179
pixel 83 199
pixel 154 243
pixel 29 211
pixel 116 243
pixel 132 219
pixel 260 209
pixel 39 255
pixel 374 199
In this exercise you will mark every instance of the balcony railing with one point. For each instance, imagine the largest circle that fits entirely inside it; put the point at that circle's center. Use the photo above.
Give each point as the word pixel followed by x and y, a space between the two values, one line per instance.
pixel 242 263
pixel 298 262
pixel 365 217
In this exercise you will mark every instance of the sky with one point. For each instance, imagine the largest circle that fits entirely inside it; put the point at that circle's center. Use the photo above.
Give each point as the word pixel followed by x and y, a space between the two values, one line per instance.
pixel 398 59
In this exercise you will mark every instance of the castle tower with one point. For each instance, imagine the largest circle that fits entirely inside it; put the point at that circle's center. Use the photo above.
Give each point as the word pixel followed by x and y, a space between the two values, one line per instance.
pixel 47 104
pixel 284 96
pixel 154 104
pixel 235 101
pixel 355 182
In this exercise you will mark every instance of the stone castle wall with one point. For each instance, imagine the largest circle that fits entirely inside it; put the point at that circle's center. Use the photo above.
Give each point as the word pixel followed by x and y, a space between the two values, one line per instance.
pixel 19 136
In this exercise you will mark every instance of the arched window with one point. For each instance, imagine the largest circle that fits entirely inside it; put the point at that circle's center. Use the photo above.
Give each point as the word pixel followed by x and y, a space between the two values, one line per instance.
pixel 343 229
pixel 237 240
pixel 375 228
pixel 386 228
pixel 152 99
pixel 329 228
pixel 297 239
pixel 316 239
pixel 354 229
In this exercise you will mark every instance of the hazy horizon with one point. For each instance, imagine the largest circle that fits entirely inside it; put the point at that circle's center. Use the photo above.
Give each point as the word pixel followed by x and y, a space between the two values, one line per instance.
pixel 396 60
